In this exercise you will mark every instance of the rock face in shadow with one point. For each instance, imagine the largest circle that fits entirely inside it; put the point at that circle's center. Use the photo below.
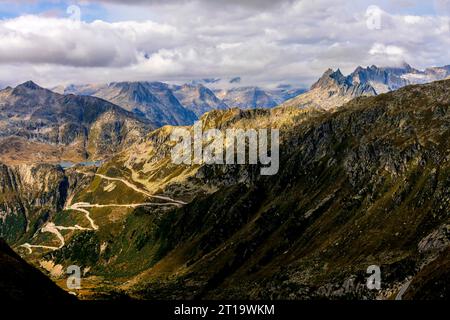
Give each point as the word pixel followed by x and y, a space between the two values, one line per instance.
pixel 30 195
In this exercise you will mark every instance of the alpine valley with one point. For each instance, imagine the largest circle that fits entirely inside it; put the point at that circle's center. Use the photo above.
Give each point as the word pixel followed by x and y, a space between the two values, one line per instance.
pixel 86 179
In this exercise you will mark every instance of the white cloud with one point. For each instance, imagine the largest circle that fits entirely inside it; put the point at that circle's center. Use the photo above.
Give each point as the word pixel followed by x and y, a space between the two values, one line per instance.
pixel 286 42
pixel 41 40
pixel 389 52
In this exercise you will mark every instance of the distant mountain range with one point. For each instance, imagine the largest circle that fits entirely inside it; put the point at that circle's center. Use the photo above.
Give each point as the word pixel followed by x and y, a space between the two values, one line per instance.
pixel 254 97
pixel 334 89
pixel 93 121
pixel 164 104
pixel 198 98
pixel 152 100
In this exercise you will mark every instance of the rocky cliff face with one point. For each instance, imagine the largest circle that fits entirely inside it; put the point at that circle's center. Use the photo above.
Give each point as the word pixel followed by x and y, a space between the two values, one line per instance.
pixel 382 79
pixel 385 79
pixel 30 195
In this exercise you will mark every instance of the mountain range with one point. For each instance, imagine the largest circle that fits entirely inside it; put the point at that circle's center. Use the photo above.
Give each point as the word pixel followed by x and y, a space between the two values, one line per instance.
pixel 334 89
pixel 164 104
pixel 363 180
pixel 92 122
pixel 254 97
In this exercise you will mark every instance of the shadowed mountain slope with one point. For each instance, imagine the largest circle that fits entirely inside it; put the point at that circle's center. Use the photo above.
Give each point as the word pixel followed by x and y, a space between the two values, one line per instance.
pixel 21 282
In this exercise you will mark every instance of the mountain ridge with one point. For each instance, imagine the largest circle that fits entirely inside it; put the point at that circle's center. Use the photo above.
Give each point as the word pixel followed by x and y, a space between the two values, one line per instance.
pixel 196 97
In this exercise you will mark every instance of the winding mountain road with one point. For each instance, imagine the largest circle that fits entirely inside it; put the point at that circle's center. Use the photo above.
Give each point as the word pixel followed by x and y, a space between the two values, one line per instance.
pixel 30 246
pixel 80 206
pixel 137 189
pixel 50 228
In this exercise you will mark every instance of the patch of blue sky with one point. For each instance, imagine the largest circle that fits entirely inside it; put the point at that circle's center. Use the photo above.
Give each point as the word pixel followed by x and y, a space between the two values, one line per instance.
pixel 89 11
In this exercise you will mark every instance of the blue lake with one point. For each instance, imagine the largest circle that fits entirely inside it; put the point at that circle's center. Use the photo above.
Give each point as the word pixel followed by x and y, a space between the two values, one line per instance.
pixel 68 164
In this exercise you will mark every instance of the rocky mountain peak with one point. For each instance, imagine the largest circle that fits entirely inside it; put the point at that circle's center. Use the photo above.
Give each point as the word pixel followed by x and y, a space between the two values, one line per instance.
pixel 29 89
pixel 136 91
pixel 330 78
pixel 30 85
pixel 332 90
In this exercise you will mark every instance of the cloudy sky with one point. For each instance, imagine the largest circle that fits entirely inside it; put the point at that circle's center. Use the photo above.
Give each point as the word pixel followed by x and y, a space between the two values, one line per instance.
pixel 265 42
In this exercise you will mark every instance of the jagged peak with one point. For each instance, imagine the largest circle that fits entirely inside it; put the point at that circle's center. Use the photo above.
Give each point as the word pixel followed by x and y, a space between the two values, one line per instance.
pixel 29 85
pixel 338 72
pixel 329 77
pixel 398 69
pixel 328 72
